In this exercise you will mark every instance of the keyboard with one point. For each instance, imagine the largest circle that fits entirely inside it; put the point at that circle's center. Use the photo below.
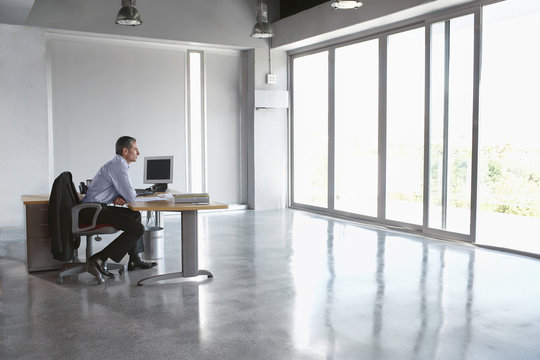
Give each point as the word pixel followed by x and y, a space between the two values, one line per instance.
pixel 144 192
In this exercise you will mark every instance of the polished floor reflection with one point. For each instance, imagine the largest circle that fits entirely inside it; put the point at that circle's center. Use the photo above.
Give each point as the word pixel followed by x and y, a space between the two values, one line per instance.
pixel 287 285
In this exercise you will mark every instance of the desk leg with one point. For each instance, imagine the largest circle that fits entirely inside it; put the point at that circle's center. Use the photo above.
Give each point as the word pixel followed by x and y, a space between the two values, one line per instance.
pixel 190 251
pixel 157 215
pixel 190 246
pixel 190 264
pixel 158 218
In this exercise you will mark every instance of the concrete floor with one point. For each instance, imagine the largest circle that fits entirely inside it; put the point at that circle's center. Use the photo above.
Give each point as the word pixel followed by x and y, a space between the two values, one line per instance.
pixel 287 285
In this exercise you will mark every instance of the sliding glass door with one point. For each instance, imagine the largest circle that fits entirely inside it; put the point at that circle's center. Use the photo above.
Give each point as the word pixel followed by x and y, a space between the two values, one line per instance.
pixel 356 128
pixel 405 126
pixel 509 155
pixel 310 129
pixel 399 129
pixel 451 124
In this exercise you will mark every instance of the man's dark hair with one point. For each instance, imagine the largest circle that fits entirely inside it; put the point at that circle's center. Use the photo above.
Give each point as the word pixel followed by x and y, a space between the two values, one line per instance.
pixel 124 142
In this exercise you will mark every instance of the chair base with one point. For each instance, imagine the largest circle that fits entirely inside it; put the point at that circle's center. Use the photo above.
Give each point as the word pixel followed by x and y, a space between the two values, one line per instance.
pixel 75 268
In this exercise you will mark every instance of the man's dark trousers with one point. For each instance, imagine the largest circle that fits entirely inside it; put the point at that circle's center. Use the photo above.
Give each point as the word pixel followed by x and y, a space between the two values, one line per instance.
pixel 129 222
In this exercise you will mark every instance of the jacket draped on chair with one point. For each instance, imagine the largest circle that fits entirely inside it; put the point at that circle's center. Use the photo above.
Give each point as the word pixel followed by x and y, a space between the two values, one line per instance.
pixel 63 197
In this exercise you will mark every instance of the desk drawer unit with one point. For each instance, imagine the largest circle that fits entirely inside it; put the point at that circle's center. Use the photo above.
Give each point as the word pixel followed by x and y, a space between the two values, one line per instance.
pixel 38 242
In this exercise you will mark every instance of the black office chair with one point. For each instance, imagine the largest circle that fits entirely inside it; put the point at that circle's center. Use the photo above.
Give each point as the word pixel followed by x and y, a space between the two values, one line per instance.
pixel 90 231
pixel 64 212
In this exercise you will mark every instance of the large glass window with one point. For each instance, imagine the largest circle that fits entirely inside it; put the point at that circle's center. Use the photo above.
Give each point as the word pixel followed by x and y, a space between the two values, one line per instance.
pixel 196 124
pixel 482 180
pixel 356 127
pixel 405 126
pixel 509 170
pixel 310 128
pixel 451 115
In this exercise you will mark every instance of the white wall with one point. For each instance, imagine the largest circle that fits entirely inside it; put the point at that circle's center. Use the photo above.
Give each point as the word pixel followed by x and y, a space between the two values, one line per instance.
pixel 102 89
pixel 23 120
pixel 92 103
pixel 227 148
pixel 270 136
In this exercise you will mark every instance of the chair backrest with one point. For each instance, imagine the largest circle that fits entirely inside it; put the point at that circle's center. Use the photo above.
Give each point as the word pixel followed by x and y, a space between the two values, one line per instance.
pixel 62 198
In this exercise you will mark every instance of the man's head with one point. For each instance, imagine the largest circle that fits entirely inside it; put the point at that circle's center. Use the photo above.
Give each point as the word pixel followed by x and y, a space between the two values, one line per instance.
pixel 126 146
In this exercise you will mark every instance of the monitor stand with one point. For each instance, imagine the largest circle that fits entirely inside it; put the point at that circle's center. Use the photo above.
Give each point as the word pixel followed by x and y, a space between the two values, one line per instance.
pixel 160 187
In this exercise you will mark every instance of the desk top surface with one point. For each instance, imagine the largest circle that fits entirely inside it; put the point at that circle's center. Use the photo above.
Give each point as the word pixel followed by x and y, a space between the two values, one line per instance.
pixel 169 205
pixel 35 199
pixel 158 205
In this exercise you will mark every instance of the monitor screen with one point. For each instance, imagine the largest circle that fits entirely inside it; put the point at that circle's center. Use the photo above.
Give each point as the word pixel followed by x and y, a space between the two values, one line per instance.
pixel 158 169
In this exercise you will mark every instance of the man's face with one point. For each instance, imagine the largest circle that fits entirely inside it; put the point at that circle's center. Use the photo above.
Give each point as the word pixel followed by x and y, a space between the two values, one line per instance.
pixel 131 154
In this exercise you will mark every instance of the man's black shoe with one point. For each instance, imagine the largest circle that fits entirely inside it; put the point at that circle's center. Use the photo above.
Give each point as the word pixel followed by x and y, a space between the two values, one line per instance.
pixel 98 264
pixel 140 264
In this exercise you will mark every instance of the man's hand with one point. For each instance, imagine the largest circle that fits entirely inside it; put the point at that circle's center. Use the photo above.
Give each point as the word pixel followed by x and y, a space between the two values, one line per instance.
pixel 119 201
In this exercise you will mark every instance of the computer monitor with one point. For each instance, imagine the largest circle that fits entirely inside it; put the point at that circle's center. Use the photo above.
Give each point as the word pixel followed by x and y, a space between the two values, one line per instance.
pixel 158 170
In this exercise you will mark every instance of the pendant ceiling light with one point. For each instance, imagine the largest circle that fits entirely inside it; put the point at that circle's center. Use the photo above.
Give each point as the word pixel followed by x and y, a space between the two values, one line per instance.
pixel 346 4
pixel 128 14
pixel 262 28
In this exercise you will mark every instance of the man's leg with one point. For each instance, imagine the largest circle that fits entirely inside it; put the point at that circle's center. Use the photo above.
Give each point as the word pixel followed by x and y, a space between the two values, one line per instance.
pixel 126 219
pixel 135 261
pixel 122 219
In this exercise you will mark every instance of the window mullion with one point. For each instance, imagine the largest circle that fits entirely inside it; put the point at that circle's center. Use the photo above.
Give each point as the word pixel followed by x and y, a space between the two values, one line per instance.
pixel 444 194
pixel 383 53
pixel 475 115
pixel 331 128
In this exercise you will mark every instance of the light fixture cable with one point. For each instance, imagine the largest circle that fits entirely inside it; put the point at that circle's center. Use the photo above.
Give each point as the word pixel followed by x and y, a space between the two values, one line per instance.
pixel 270 55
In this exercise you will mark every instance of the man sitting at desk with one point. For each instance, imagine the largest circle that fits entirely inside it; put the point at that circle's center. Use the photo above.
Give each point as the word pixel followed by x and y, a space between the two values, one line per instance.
pixel 112 185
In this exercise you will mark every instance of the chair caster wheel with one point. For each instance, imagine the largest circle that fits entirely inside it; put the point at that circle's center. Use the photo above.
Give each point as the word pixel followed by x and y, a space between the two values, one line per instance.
pixel 121 271
pixel 59 280
pixel 100 281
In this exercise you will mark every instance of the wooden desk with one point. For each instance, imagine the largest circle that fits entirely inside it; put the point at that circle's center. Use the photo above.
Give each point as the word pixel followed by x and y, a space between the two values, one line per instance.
pixel 190 266
pixel 35 199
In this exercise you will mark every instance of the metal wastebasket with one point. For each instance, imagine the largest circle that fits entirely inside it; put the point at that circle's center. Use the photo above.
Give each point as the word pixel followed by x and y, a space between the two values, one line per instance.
pixel 153 243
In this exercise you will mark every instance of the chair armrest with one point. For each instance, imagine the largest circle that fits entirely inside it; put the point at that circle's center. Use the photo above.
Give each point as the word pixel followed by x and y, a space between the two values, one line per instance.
pixel 75 216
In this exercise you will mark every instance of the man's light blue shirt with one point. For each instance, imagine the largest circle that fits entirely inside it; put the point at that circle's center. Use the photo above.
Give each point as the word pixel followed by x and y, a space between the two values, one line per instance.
pixel 111 181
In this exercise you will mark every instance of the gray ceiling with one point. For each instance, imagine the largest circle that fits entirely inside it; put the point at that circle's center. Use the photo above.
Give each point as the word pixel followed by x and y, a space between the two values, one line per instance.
pixel 172 20
pixel 15 11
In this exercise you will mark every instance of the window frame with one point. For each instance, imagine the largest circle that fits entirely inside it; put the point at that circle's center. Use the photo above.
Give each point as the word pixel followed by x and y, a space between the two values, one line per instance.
pixel 203 126
pixel 382 36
